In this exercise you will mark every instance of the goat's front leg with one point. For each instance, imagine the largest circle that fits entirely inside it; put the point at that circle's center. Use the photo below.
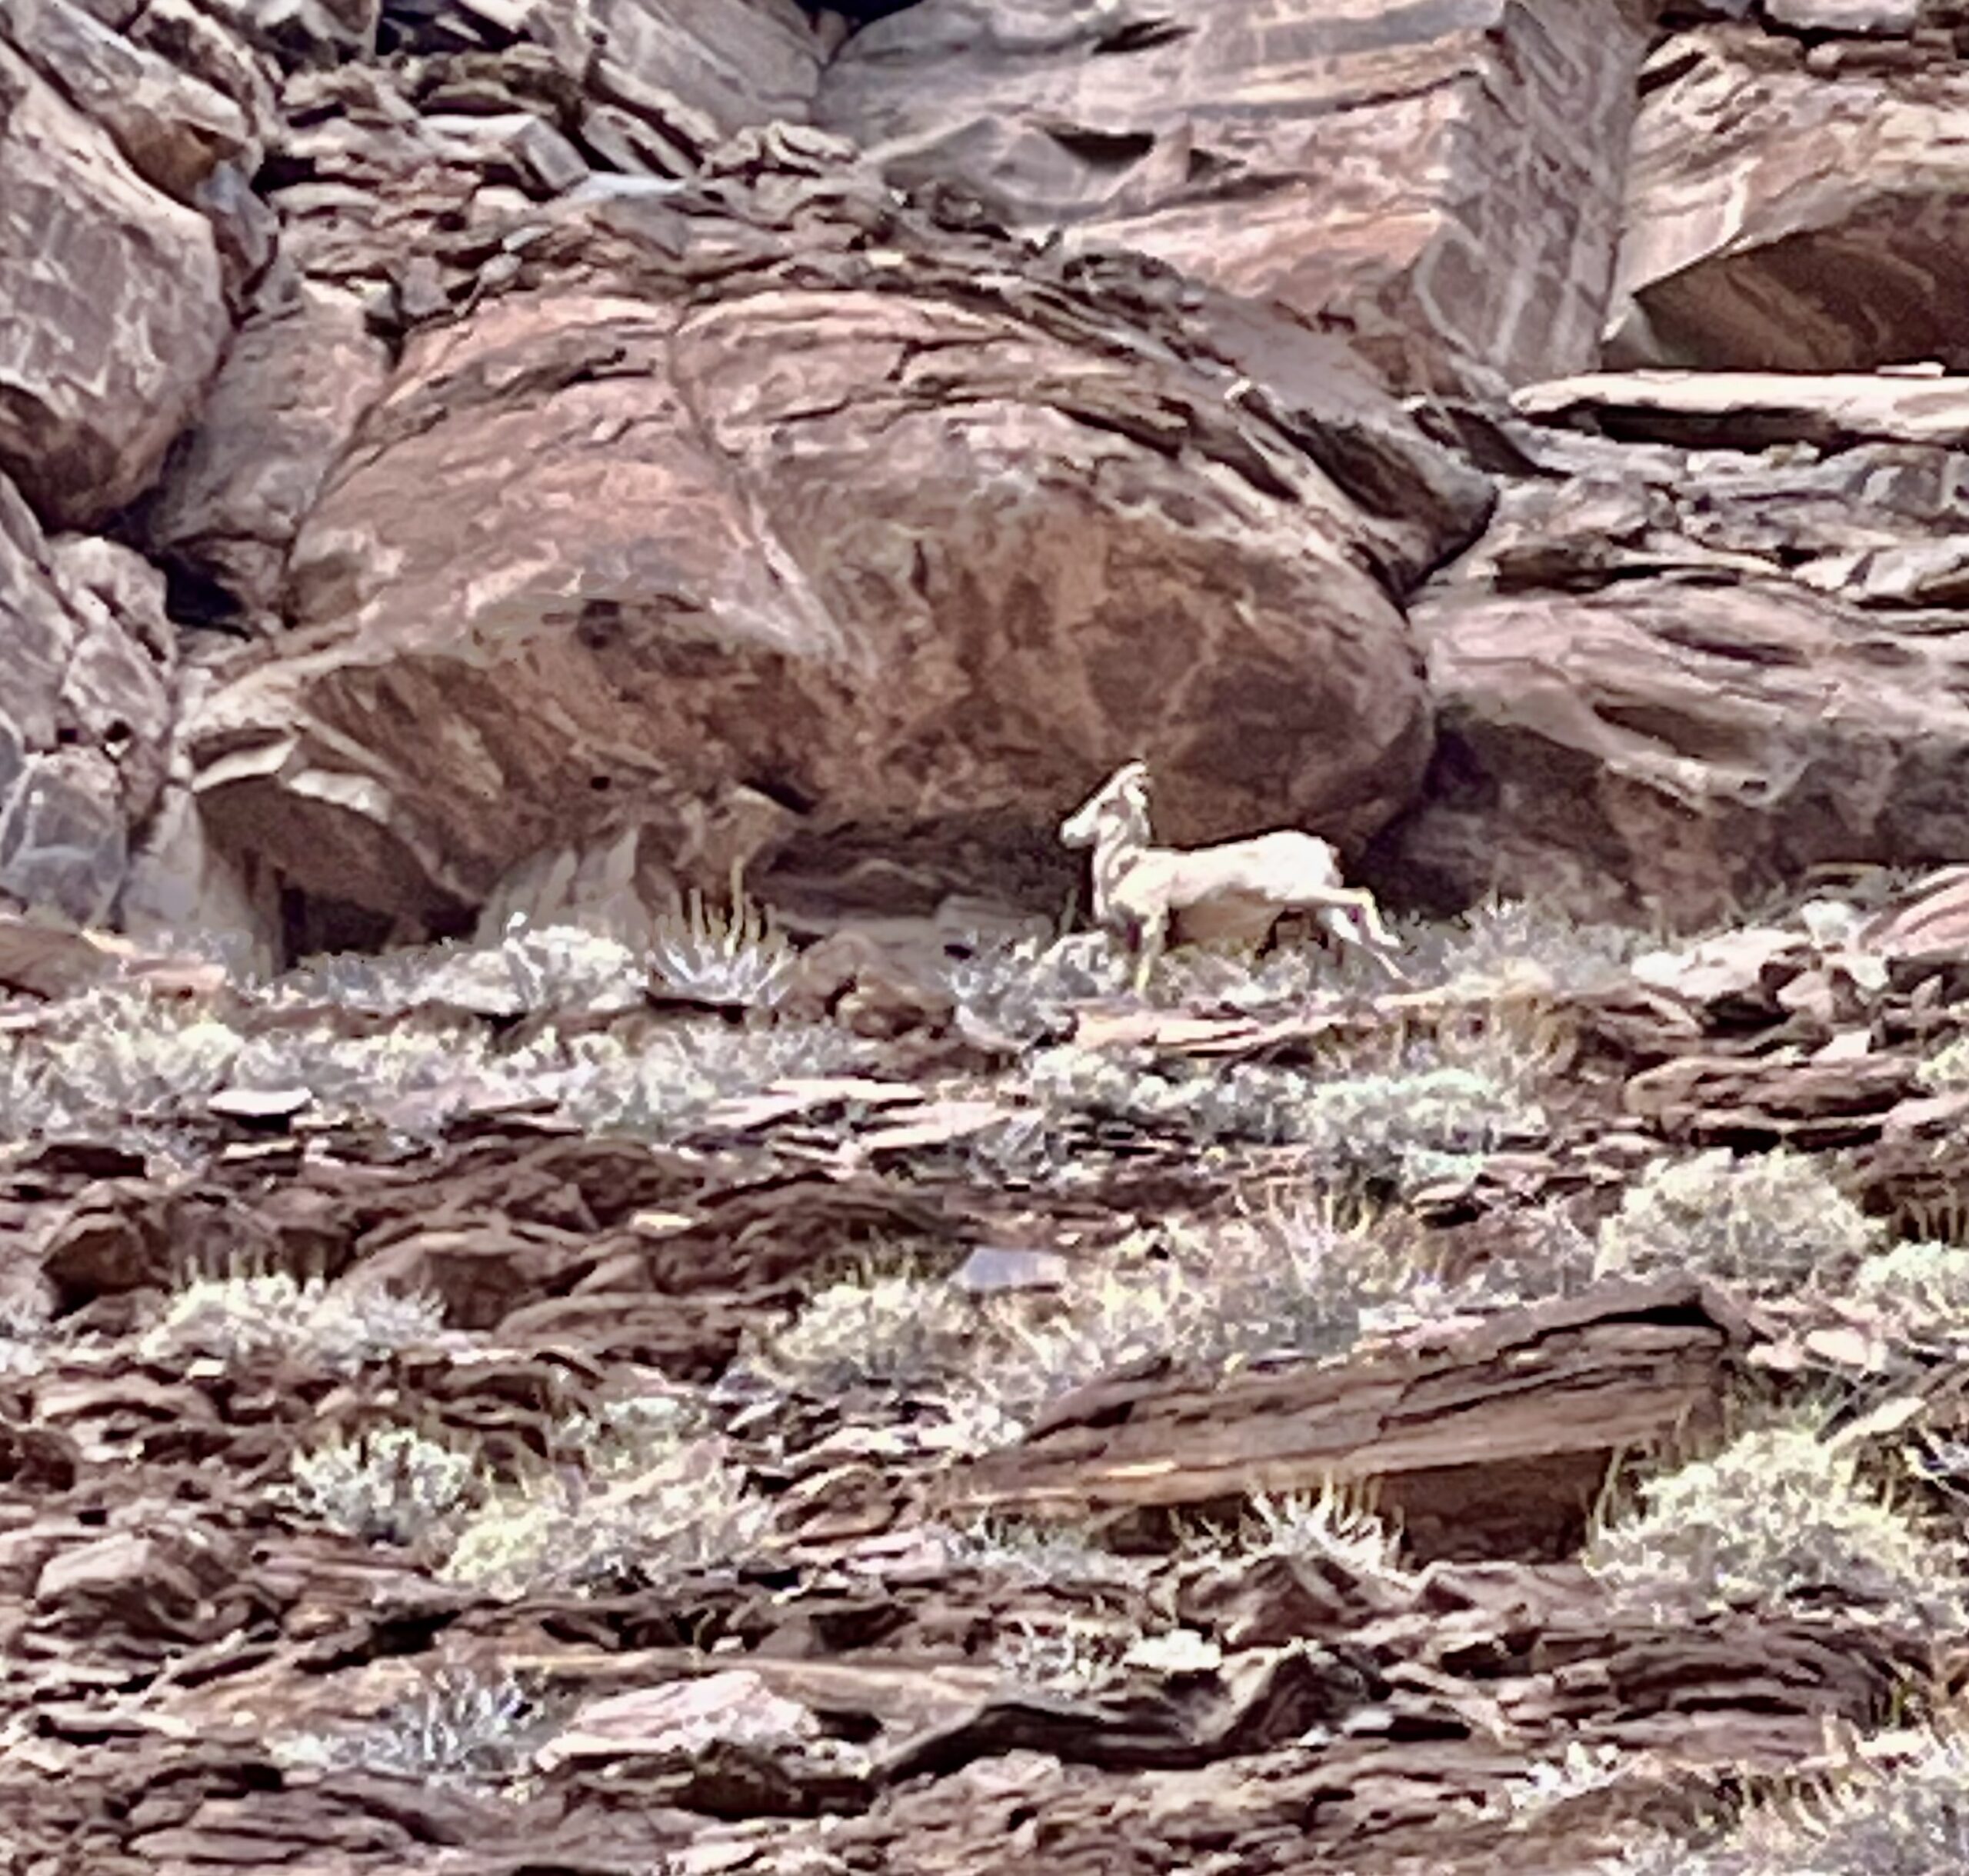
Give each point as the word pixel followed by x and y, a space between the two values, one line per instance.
pixel 1150 934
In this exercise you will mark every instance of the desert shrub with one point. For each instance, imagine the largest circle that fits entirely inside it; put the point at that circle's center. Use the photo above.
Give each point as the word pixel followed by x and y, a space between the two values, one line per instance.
pixel 1782 1515
pixel 458 1727
pixel 560 968
pixel 1772 1219
pixel 1417 1123
pixel 1947 1070
pixel 1410 1122
pixel 343 1326
pixel 1055 1553
pixel 428 1054
pixel 898 1330
pixel 391 1485
pixel 1923 1285
pixel 662 1082
pixel 734 959
pixel 685 1507
pixel 1298 1281
pixel 1070 1655
pixel 1493 938
pixel 1026 988
pixel 116 1053
pixel 1906 1816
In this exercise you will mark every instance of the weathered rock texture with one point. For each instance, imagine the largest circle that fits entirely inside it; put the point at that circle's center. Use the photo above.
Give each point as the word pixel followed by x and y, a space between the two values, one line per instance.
pixel 85 715
pixel 639 439
pixel 1416 178
pixel 1676 677
pixel 1794 207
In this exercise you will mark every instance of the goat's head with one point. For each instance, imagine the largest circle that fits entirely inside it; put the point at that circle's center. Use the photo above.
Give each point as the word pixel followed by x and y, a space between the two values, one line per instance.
pixel 1124 795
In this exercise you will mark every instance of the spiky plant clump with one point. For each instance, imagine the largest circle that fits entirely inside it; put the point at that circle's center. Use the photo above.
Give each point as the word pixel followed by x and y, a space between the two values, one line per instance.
pixel 459 1727
pixel 389 1484
pixel 733 960
pixel 898 1330
pixel 1325 1526
pixel 340 1326
pixel 1783 1514
pixel 1770 1221
pixel 689 1508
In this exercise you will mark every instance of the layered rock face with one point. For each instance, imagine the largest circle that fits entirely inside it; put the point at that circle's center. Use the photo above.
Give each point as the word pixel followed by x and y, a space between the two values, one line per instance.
pixel 1416 177
pixel 586 448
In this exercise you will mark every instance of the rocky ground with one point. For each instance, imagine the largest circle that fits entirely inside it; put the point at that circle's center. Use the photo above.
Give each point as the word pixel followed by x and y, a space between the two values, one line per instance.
pixel 543 1407
pixel 503 1369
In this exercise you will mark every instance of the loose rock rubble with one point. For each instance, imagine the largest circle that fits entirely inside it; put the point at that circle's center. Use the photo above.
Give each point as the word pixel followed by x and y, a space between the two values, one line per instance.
pixel 856 1454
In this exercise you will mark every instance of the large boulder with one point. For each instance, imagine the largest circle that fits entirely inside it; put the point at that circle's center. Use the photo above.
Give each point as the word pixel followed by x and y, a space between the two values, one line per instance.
pixel 1415 176
pixel 1670 679
pixel 775 487
pixel 304 368
pixel 116 310
pixel 1794 207
pixel 85 658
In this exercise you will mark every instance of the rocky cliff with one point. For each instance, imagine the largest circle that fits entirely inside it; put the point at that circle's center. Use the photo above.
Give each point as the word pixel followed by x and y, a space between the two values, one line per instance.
pixel 530 455
pixel 511 1362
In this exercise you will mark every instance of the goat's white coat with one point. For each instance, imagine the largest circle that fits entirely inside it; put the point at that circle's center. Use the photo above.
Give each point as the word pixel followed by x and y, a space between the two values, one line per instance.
pixel 1231 894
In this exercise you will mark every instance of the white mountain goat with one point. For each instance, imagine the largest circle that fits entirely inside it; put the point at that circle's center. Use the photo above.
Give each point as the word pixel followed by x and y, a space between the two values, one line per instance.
pixel 1232 894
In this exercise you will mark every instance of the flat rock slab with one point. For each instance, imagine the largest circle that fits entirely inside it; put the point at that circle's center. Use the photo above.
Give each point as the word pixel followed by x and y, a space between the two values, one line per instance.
pixel 1495 1446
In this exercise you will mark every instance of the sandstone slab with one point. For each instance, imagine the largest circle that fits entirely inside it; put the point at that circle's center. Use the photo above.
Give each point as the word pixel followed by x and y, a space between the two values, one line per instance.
pixel 1781 217
pixel 303 369
pixel 1672 679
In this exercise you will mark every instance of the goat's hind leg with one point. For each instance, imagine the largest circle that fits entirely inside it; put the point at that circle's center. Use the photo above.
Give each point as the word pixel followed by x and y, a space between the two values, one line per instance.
pixel 1363 901
pixel 1340 919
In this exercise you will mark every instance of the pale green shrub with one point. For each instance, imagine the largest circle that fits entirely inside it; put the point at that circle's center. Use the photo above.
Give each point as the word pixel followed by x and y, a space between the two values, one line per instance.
pixel 1771 1220
pixel 1923 1285
pixel 559 967
pixel 460 1727
pixel 1906 1817
pixel 341 1326
pixel 1947 1071
pixel 1781 1514
pixel 389 1484
pixel 899 1330
pixel 668 1079
pixel 688 1507
pixel 1410 1123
